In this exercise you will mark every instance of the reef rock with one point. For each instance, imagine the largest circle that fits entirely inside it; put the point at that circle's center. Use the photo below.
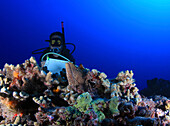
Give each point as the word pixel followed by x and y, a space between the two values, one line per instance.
pixel 77 96
pixel 157 87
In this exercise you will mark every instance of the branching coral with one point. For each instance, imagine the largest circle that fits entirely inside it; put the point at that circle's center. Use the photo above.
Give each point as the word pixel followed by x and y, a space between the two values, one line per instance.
pixel 124 87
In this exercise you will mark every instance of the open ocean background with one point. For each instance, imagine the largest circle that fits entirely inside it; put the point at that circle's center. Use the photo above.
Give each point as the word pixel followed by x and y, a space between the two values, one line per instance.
pixel 110 35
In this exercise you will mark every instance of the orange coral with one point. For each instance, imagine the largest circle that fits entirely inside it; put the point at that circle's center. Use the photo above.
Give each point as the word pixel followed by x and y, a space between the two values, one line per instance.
pixel 56 90
pixel 15 74
pixel 15 83
pixel 11 104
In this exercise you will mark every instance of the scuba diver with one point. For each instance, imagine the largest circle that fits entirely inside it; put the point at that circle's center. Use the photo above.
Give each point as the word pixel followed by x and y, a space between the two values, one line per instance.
pixel 55 56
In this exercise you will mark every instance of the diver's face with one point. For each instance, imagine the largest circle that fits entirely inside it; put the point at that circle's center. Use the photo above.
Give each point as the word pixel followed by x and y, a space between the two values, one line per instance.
pixel 56 42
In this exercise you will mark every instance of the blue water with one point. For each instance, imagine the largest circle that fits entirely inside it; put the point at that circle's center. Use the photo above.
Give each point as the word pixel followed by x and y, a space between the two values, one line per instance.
pixel 110 35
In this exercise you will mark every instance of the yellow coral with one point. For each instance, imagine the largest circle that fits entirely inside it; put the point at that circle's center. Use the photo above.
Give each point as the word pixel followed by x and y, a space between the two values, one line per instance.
pixel 167 106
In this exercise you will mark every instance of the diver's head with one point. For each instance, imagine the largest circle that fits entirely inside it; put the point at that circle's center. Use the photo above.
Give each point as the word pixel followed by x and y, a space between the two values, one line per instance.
pixel 56 41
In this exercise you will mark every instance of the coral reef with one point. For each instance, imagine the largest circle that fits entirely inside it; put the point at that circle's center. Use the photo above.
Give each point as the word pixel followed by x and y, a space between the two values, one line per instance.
pixel 77 96
pixel 157 87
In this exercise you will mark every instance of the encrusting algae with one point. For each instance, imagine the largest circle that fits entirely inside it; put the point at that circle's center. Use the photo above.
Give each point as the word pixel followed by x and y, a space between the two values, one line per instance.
pixel 76 96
